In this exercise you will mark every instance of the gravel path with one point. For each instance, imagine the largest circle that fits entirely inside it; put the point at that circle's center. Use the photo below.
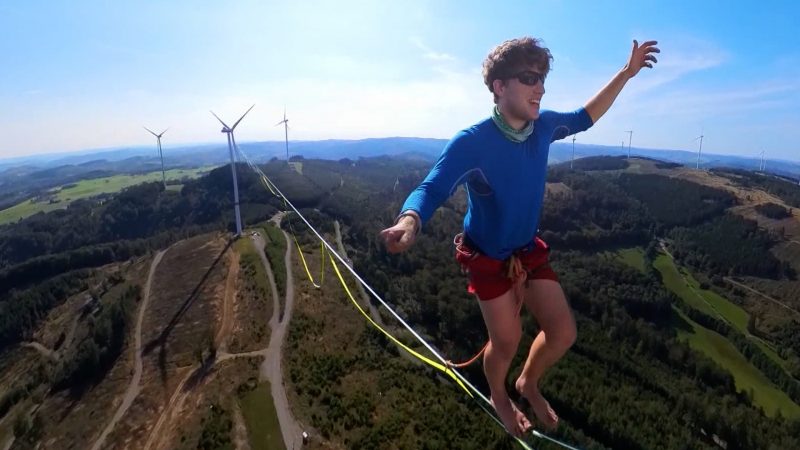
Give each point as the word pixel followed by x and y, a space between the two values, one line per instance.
pixel 133 387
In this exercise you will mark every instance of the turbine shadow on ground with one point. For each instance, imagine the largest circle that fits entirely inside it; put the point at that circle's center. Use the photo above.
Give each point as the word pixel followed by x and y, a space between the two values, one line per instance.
pixel 161 340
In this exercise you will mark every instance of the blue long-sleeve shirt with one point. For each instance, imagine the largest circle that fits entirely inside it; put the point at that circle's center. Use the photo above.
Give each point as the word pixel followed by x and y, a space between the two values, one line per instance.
pixel 505 180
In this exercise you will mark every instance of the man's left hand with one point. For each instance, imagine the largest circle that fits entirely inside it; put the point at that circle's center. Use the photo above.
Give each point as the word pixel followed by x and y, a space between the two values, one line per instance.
pixel 641 56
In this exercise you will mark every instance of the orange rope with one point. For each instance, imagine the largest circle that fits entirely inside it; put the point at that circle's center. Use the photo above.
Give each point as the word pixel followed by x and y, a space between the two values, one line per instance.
pixel 517 274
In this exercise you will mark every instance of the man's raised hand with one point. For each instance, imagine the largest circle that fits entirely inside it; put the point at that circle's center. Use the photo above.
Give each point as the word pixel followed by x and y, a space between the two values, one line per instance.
pixel 641 56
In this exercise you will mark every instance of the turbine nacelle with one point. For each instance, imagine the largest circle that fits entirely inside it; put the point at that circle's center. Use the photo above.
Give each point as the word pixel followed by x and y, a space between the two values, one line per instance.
pixel 160 154
pixel 158 136
pixel 225 127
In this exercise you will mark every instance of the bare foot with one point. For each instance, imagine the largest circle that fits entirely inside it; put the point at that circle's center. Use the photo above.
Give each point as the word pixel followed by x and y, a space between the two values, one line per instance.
pixel 513 419
pixel 541 408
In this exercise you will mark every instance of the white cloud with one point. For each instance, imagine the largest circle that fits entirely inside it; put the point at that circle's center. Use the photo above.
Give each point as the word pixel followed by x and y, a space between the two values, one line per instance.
pixel 431 54
pixel 697 102
pixel 678 60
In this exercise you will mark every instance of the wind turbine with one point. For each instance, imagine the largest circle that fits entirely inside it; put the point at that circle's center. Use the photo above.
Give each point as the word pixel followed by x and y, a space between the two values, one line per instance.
pixel 160 154
pixel 761 166
pixel 573 152
pixel 231 148
pixel 285 123
pixel 630 137
pixel 700 150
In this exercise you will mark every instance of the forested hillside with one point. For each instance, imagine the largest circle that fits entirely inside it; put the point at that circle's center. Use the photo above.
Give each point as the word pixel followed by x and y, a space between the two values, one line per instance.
pixel 638 377
pixel 629 382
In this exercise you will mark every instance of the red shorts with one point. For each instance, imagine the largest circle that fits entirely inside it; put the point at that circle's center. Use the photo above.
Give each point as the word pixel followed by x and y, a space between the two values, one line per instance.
pixel 488 277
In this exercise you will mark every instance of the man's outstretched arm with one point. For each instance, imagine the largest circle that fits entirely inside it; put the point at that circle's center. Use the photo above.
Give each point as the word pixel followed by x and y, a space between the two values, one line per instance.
pixel 641 56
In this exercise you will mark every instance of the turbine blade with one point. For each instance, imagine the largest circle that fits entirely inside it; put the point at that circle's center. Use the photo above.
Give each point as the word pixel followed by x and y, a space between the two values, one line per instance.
pixel 220 120
pixel 148 129
pixel 240 118
pixel 162 133
pixel 280 122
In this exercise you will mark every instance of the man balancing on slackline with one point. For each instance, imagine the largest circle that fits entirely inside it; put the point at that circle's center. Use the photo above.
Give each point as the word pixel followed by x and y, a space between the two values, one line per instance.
pixel 503 161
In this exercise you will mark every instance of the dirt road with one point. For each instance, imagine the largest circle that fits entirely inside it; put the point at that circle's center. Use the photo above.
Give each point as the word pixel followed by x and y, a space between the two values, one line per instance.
pixel 227 303
pixel 44 351
pixel 133 387
pixel 271 368
pixel 744 286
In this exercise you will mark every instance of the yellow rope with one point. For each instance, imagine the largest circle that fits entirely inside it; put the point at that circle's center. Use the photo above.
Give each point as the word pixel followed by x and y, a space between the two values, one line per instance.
pixel 308 272
pixel 416 354
pixel 438 366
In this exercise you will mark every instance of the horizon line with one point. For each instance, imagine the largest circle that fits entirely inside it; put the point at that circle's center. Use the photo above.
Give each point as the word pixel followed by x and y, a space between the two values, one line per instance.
pixel 88 151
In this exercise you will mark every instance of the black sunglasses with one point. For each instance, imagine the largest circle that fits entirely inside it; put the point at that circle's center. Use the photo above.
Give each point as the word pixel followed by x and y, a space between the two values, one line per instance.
pixel 529 77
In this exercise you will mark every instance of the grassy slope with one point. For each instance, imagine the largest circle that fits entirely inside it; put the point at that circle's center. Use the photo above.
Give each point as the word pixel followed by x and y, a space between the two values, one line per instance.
pixel 709 302
pixel 718 348
pixel 261 419
pixel 673 280
pixel 89 188
pixel 747 378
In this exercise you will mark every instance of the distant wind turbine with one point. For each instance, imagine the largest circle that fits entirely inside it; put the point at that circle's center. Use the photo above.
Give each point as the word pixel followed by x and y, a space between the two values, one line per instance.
pixel 160 154
pixel 573 153
pixel 231 148
pixel 285 123
pixel 700 150
pixel 630 138
pixel 761 166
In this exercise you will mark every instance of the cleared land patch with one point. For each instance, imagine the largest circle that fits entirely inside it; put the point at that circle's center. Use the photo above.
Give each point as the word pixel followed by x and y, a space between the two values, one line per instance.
pixel 747 378
pixel 178 330
pixel 61 197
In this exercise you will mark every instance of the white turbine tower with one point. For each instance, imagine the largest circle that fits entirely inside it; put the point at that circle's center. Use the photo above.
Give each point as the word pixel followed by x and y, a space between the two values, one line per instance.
pixel 761 166
pixel 573 153
pixel 232 149
pixel 285 123
pixel 630 138
pixel 700 150
pixel 160 154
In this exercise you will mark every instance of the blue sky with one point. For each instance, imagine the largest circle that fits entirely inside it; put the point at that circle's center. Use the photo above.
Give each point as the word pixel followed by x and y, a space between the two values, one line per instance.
pixel 81 75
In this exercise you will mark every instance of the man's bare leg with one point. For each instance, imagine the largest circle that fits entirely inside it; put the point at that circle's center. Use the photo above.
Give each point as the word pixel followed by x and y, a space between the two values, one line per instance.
pixel 505 330
pixel 546 301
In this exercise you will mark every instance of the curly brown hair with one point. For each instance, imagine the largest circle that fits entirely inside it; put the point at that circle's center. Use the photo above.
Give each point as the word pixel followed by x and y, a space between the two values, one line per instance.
pixel 512 57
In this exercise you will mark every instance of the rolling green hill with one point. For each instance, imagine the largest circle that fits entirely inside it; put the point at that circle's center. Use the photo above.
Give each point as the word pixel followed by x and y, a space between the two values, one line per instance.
pixel 61 197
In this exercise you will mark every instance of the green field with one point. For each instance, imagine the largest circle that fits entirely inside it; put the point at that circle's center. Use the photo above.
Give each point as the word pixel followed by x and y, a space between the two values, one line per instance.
pixel 674 281
pixel 261 419
pixel 746 377
pixel 633 257
pixel 685 286
pixel 89 188
pixel 716 346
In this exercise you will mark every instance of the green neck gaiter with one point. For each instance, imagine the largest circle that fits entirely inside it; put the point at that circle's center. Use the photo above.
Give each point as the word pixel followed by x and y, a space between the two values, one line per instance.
pixel 512 134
